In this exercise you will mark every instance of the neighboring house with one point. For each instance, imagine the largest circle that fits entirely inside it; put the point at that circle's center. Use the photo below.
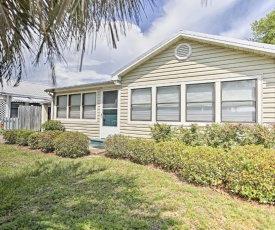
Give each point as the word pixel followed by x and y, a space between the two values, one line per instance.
pixel 26 93
pixel 191 78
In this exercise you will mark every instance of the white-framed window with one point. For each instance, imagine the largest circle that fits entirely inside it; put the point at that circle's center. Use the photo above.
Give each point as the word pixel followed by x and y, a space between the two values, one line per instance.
pixel 239 101
pixel 61 106
pixel 168 103
pixel 74 106
pixel 89 105
pixel 200 102
pixel 141 104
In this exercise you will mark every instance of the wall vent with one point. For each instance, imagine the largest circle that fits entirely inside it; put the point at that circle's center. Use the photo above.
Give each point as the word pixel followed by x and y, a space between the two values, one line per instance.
pixel 183 51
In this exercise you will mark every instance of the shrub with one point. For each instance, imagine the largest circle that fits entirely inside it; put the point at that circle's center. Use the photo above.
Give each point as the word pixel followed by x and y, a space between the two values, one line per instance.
pixel 192 136
pixel 53 125
pixel 71 144
pixel 251 173
pixel 141 150
pixel 22 137
pixel 46 140
pixel 167 155
pixel 10 136
pixel 34 140
pixel 117 146
pixel 161 132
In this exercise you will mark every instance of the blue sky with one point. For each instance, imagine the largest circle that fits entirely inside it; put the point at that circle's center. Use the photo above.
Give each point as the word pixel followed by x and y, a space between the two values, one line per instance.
pixel 231 18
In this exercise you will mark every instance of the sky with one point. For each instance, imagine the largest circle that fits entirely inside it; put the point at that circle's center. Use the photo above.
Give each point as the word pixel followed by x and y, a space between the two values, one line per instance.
pixel 230 18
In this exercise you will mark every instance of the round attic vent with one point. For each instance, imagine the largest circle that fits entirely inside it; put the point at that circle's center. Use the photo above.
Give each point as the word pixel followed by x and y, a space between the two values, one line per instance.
pixel 183 51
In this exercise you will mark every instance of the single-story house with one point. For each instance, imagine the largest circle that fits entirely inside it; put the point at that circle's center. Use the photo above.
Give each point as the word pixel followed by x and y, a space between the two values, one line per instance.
pixel 190 78
pixel 25 93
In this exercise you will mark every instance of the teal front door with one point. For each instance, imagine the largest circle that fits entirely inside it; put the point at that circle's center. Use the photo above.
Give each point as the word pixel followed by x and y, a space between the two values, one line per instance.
pixel 109 116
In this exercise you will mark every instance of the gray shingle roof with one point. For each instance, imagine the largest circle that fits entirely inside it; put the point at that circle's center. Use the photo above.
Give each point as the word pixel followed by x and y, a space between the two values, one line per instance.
pixel 24 89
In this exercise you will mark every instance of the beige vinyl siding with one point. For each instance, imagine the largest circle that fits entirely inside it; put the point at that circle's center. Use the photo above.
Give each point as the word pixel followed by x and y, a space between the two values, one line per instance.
pixel 208 62
pixel 89 127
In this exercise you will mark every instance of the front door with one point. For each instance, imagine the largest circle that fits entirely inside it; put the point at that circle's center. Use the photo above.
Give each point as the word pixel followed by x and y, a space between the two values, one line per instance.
pixel 109 113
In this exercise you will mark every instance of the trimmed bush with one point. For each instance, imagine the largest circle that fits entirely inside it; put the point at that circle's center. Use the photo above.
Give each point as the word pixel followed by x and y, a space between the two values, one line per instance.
pixel 192 136
pixel 22 137
pixel 251 173
pixel 10 136
pixel 161 132
pixel 245 170
pixel 71 144
pixel 53 125
pixel 117 146
pixel 34 139
pixel 46 140
pixel 141 151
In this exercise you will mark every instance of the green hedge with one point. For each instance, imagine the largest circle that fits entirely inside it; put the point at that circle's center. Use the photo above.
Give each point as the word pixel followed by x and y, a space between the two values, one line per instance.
pixel 34 140
pixel 53 125
pixel 10 136
pixel 71 144
pixel 22 137
pixel 248 171
pixel 217 135
pixel 46 140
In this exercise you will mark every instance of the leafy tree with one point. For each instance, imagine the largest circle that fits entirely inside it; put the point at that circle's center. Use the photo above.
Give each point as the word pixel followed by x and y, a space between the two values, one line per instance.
pixel 44 28
pixel 264 29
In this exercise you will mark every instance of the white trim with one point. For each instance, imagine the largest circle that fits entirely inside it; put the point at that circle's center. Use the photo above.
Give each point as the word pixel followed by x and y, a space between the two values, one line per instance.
pixel 218 102
pixel 101 134
pixel 183 100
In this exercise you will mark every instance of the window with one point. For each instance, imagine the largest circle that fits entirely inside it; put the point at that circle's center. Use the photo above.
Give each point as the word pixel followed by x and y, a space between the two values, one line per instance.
pixel 200 103
pixel 168 103
pixel 89 105
pixel 14 109
pixel 141 104
pixel 239 101
pixel 74 106
pixel 61 107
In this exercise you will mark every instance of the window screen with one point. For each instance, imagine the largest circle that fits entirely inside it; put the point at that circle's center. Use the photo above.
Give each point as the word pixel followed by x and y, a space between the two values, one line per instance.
pixel 141 106
pixel 239 101
pixel 89 105
pixel 200 103
pixel 168 103
pixel 61 107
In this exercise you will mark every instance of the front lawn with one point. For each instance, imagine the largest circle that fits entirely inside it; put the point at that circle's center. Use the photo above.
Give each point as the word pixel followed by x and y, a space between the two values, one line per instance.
pixel 39 191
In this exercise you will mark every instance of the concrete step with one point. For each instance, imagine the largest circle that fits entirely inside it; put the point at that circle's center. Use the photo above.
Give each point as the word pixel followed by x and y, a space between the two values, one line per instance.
pixel 96 142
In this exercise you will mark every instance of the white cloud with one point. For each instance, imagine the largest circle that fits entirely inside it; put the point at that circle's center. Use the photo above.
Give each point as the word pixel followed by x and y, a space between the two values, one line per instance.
pixel 176 15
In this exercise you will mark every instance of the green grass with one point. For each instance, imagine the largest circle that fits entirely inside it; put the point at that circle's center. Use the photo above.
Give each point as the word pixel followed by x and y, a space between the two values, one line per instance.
pixel 45 192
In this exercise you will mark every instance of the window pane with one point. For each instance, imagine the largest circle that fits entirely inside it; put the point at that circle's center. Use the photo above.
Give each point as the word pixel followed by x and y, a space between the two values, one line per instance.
pixel 169 94
pixel 89 112
pixel 239 90
pixel 141 112
pixel 110 99
pixel 62 100
pixel 89 99
pixel 200 92
pixel 75 100
pixel 168 112
pixel 200 112
pixel 239 111
pixel 74 112
pixel 61 112
pixel 141 96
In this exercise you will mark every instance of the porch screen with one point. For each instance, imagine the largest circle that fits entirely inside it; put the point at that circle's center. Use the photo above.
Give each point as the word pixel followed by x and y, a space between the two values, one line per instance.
pixel 200 102
pixel 74 106
pixel 168 103
pixel 61 107
pixel 141 104
pixel 89 105
pixel 239 101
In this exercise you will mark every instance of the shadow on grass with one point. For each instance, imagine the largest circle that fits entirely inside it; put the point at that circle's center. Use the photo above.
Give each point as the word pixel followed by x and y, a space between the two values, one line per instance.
pixel 69 195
